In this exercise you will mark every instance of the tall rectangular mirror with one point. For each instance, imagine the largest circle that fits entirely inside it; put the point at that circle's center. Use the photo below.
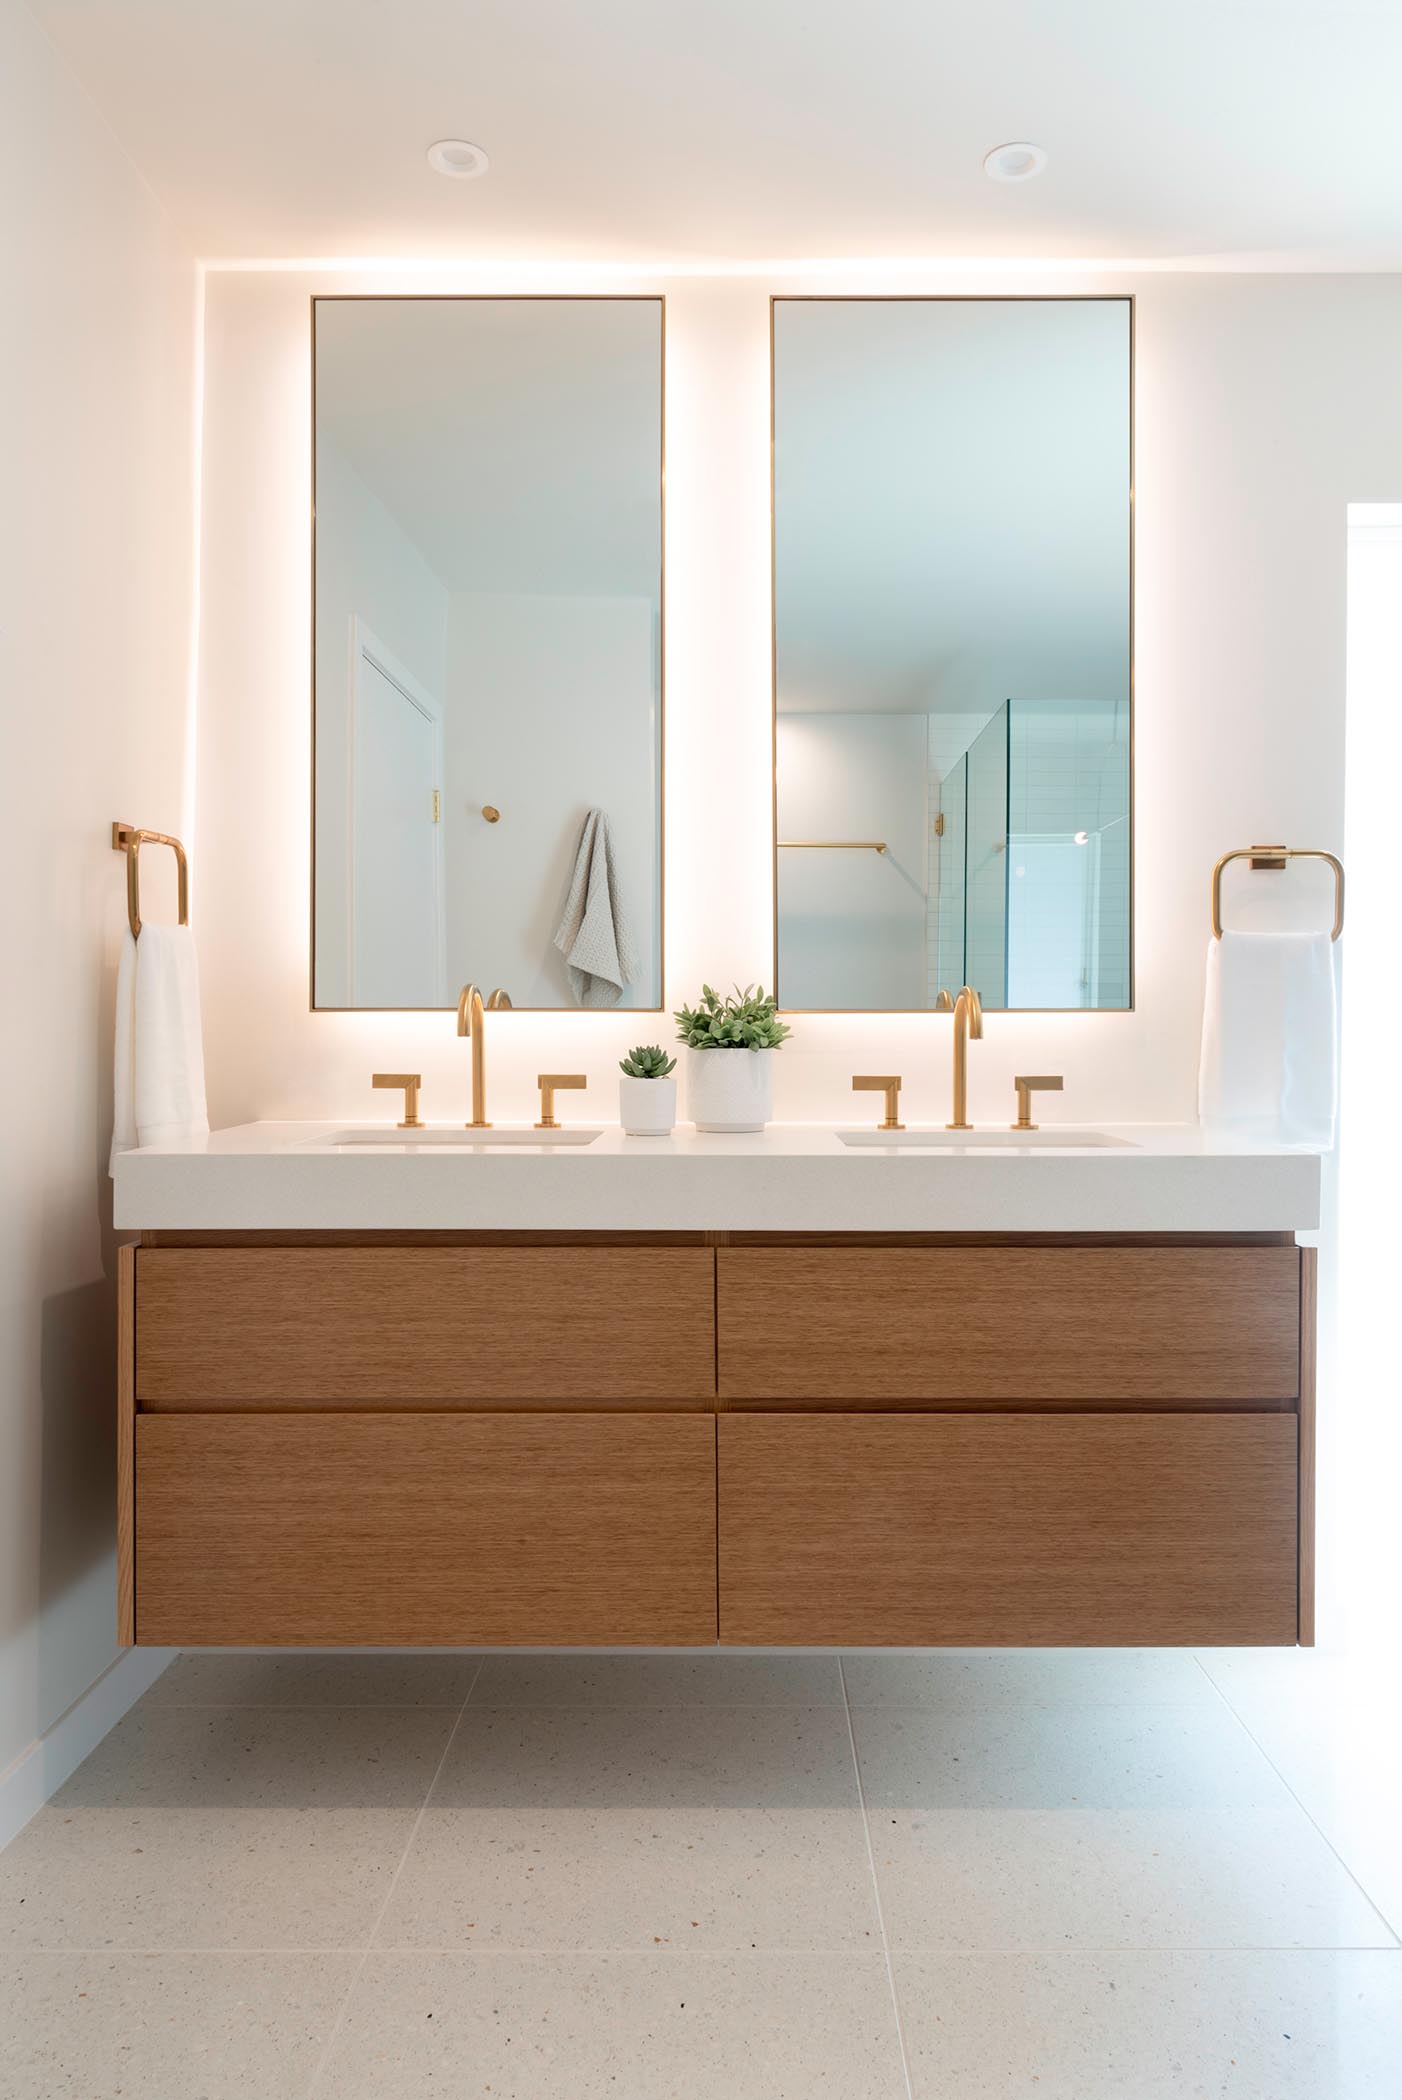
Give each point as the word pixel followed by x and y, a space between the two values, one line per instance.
pixel 952 652
pixel 487 674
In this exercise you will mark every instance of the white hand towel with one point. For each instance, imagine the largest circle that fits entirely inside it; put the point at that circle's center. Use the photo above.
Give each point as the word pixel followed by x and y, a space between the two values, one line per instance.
pixel 1270 1038
pixel 158 1059
pixel 593 934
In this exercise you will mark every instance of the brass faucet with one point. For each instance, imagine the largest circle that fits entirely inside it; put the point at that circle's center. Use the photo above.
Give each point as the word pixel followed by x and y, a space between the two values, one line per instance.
pixel 968 1021
pixel 1027 1084
pixel 887 1083
pixel 549 1083
pixel 471 1008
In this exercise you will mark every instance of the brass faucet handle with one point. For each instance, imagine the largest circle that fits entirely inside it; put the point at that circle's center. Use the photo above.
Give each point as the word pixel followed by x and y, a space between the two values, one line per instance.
pixel 945 1003
pixel 887 1083
pixel 1029 1084
pixel 411 1082
pixel 550 1083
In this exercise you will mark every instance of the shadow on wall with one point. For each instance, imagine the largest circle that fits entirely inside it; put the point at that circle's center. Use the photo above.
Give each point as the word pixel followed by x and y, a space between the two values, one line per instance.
pixel 78 1456
pixel 72 1522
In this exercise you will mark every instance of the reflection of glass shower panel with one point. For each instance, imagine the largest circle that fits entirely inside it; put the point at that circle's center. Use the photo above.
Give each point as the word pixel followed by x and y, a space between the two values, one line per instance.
pixel 986 863
pixel 1068 909
pixel 949 948
pixel 1053 920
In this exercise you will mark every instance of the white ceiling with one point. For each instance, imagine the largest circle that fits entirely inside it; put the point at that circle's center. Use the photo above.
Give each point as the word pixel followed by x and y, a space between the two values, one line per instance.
pixel 518 442
pixel 733 129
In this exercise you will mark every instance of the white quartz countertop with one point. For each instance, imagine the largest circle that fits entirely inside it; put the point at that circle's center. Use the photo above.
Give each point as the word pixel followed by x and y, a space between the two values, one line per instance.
pixel 792 1177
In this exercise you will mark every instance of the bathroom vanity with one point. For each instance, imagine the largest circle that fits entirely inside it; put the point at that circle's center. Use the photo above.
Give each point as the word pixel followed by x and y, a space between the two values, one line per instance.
pixel 466 1395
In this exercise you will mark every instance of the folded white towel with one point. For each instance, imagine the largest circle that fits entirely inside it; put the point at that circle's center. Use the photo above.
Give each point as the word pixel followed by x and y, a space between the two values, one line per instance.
pixel 593 934
pixel 1270 1038
pixel 158 1060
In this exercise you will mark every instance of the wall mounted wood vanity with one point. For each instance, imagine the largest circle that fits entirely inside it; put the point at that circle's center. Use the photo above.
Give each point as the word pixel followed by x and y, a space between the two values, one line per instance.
pixel 465 1437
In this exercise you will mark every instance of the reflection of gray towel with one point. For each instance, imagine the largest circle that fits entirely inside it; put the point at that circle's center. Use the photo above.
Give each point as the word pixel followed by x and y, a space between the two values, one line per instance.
pixel 593 934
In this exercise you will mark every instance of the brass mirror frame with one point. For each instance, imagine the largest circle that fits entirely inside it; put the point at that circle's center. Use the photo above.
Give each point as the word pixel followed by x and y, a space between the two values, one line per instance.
pixel 659 300
pixel 938 299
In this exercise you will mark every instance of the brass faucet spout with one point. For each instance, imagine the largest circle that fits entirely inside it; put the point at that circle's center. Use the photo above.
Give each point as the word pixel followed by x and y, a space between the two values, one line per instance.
pixel 968 1021
pixel 470 1012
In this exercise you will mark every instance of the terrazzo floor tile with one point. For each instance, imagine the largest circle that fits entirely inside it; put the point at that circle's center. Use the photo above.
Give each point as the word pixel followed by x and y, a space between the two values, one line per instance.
pixel 672 2026
pixel 167 2026
pixel 1251 2026
pixel 959 1681
pixel 1051 1878
pixel 659 1680
pixel 225 1827
pixel 719 1827
pixel 1109 1757
pixel 314 1680
pixel 1330 1724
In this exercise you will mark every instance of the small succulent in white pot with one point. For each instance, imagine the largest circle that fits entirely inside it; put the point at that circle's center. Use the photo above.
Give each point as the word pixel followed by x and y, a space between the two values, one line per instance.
pixel 728 1092
pixel 647 1092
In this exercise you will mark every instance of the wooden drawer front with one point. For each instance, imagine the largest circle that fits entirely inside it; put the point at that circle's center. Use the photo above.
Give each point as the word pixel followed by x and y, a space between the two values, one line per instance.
pixel 404 1530
pixel 1007 1530
pixel 1205 1325
pixel 449 1325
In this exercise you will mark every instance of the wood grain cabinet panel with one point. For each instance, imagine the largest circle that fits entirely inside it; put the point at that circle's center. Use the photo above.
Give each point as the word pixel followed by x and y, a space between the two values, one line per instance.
pixel 1204 1325
pixel 1008 1529
pixel 424 1326
pixel 407 1530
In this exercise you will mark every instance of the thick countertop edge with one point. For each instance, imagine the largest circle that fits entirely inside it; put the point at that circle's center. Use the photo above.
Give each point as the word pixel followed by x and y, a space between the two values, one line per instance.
pixel 761 1184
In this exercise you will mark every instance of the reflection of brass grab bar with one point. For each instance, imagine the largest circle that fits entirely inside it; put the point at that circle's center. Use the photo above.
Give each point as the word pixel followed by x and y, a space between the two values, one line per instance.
pixel 1276 857
pixel 126 838
pixel 833 845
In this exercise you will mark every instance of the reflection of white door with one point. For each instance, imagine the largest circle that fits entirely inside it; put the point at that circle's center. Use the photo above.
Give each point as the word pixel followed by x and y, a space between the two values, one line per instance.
pixel 396 886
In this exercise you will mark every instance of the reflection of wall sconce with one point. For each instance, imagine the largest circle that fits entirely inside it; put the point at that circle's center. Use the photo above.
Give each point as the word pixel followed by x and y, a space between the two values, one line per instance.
pixel 493 816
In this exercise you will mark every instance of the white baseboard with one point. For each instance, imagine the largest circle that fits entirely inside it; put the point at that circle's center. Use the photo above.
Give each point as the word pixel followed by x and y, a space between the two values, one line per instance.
pixel 41 1770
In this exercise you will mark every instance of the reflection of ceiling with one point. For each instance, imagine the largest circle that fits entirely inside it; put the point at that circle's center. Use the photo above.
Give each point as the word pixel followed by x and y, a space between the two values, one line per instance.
pixel 653 128
pixel 518 442
pixel 952 502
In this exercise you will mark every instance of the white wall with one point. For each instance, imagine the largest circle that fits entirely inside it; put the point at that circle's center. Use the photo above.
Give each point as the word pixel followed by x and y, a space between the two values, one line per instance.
pixel 852 925
pixel 551 711
pixel 1264 405
pixel 367 567
pixel 97 357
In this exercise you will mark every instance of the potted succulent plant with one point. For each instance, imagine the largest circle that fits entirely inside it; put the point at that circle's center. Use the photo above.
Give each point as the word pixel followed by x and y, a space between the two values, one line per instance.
pixel 724 1091
pixel 647 1092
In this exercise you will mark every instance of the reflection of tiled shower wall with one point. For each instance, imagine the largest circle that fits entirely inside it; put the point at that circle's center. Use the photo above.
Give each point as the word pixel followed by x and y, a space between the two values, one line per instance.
pixel 949 796
pixel 934 892
pixel 986 862
pixel 1069 773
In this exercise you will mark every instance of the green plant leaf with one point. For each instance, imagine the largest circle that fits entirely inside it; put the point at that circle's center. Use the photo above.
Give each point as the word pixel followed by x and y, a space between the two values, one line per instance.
pixel 746 1020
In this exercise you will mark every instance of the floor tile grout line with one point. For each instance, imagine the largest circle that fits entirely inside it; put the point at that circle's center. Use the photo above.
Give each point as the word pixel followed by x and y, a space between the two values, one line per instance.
pixel 876 1888
pixel 335 2031
pixel 1318 1829
pixel 14 1957
pixel 302 1706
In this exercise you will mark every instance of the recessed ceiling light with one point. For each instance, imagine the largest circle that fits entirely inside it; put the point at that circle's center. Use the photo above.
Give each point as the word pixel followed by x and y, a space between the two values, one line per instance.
pixel 457 158
pixel 1016 163
pixel 1081 838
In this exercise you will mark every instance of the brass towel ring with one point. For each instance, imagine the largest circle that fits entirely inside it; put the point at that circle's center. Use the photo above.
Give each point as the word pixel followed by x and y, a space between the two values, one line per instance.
pixel 126 838
pixel 1276 857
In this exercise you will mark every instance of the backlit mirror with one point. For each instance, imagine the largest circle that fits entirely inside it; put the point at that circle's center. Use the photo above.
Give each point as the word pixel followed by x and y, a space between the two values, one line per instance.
pixel 952 566
pixel 487 686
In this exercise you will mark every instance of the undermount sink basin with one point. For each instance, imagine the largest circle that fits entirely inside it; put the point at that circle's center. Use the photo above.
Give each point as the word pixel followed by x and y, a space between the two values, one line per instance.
pixel 377 1134
pixel 1055 1140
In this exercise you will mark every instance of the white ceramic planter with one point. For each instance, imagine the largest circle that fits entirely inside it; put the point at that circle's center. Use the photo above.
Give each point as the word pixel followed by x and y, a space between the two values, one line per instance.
pixel 647 1107
pixel 730 1089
